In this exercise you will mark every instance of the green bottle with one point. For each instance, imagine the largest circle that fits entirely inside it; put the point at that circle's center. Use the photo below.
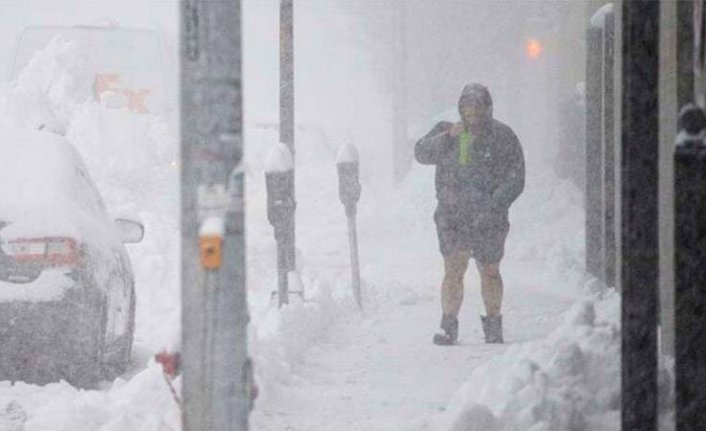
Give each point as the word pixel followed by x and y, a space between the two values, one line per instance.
pixel 464 148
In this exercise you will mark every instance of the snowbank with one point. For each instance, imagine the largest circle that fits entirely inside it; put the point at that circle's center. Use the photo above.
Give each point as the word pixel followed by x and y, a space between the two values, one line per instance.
pixel 562 382
pixel 570 380
pixel 142 403
pixel 48 90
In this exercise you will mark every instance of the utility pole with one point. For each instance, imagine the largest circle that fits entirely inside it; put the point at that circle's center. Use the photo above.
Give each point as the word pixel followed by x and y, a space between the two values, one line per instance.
pixel 685 53
pixel 609 238
pixel 286 114
pixel 639 213
pixel 402 152
pixel 594 147
pixel 216 371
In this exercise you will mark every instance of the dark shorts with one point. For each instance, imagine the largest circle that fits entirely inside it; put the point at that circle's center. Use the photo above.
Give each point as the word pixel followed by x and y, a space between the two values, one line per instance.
pixel 485 243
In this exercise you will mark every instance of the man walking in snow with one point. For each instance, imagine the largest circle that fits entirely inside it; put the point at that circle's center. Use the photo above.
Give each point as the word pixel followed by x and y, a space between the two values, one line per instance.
pixel 480 171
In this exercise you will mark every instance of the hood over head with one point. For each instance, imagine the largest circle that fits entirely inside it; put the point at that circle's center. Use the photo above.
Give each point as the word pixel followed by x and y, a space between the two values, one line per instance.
pixel 477 94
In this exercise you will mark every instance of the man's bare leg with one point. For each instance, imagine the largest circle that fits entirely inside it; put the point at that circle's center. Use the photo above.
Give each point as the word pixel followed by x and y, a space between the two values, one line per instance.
pixel 491 283
pixel 455 267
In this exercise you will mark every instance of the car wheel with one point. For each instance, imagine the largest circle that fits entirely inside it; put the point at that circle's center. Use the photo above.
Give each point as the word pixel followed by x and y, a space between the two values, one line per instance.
pixel 84 369
pixel 120 362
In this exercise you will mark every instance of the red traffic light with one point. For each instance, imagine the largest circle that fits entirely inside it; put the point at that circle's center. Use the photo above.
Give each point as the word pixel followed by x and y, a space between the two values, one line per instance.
pixel 533 48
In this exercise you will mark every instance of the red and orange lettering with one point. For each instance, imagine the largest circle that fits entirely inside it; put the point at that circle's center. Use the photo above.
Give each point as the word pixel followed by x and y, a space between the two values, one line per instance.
pixel 136 100
pixel 103 82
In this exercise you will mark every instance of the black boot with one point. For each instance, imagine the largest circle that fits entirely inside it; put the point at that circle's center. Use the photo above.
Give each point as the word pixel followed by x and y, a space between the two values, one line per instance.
pixel 449 324
pixel 493 329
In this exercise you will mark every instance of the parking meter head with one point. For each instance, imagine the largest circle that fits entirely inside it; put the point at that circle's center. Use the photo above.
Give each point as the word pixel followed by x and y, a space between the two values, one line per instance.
pixel 348 184
pixel 692 119
pixel 280 197
pixel 692 129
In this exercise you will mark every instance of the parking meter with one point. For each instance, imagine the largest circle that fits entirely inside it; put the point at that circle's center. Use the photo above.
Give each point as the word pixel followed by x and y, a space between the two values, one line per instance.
pixel 348 173
pixel 279 179
pixel 280 200
pixel 689 269
pixel 349 192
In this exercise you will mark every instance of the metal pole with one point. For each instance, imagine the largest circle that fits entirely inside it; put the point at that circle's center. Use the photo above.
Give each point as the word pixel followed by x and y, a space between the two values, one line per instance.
pixel 640 150
pixel 594 127
pixel 282 268
pixel 216 370
pixel 609 242
pixel 685 53
pixel 402 150
pixel 286 111
pixel 699 26
pixel 355 265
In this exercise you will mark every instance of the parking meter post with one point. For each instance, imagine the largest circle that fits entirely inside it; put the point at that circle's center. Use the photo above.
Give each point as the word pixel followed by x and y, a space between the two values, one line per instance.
pixel 689 271
pixel 355 265
pixel 594 149
pixel 286 116
pixel 349 192
pixel 282 265
pixel 216 374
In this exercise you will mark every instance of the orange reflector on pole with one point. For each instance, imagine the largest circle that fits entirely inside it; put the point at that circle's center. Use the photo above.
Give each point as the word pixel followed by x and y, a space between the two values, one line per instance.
pixel 211 254
pixel 211 243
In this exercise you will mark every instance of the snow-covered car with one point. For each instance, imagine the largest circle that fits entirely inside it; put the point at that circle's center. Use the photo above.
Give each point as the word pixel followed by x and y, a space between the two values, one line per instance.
pixel 67 298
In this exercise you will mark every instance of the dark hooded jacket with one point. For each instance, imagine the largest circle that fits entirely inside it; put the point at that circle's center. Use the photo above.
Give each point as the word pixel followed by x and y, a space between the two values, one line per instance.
pixel 491 180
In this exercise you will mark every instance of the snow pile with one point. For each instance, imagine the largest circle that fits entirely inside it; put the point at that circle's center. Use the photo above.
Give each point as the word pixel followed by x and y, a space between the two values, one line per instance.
pixel 144 403
pixel 52 85
pixel 280 338
pixel 561 382
pixel 570 380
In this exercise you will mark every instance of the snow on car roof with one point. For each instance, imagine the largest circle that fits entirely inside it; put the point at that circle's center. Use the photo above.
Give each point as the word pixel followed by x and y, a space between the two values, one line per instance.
pixel 45 189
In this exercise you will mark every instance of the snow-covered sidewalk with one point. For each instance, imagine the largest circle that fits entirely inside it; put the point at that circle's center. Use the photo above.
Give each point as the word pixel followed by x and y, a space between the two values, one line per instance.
pixel 340 370
pixel 382 372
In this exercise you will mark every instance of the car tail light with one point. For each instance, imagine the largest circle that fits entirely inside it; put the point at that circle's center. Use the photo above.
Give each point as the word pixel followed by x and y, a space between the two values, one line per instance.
pixel 56 251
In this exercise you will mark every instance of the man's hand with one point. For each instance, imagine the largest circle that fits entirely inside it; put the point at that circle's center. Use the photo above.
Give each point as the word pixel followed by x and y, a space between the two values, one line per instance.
pixel 457 129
